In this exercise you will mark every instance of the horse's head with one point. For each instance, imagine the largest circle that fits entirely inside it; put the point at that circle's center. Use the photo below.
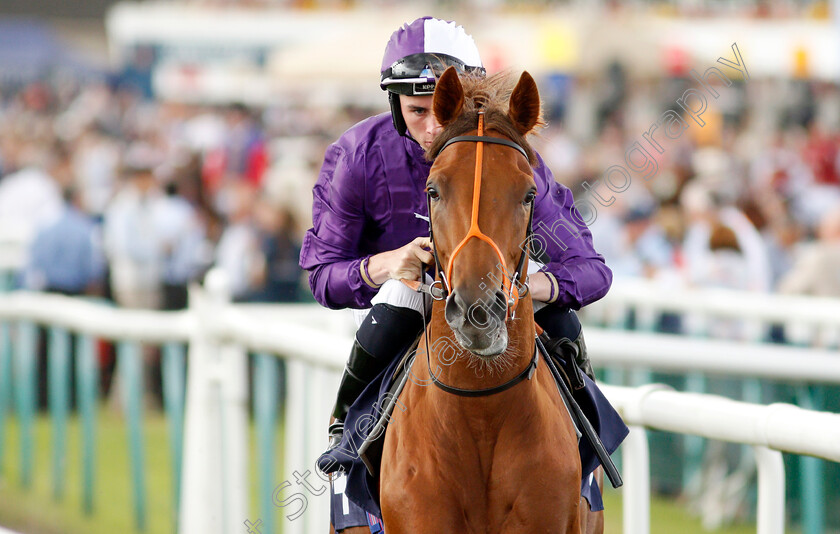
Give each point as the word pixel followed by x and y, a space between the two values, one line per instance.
pixel 481 202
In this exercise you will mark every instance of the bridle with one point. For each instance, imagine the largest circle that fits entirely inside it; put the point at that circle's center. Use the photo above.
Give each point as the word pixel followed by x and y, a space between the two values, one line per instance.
pixel 509 285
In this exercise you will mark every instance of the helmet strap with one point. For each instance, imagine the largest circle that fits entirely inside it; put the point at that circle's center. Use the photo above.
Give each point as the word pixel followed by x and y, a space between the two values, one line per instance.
pixel 396 113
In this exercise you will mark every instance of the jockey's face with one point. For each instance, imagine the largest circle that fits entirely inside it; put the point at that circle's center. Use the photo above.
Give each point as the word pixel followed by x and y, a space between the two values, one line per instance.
pixel 419 119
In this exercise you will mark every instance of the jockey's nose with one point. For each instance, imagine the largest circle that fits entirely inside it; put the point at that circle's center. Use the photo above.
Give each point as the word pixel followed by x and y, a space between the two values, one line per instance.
pixel 433 127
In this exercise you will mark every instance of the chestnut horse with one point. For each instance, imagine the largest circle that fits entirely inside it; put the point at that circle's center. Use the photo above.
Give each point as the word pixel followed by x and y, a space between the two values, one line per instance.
pixel 505 461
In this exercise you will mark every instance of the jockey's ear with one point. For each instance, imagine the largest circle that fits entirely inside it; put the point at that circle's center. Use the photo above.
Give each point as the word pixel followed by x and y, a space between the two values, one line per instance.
pixel 449 97
pixel 524 108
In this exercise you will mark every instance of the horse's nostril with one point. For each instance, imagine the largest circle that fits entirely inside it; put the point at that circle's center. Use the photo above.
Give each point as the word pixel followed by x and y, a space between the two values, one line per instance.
pixel 501 301
pixel 454 307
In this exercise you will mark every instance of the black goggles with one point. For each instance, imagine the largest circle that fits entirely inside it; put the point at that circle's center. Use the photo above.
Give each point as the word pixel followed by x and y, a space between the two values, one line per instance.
pixel 416 75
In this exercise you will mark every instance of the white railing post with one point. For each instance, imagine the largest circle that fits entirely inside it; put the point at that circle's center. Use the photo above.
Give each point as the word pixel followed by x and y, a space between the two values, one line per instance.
pixel 296 431
pixel 635 457
pixel 201 492
pixel 322 383
pixel 233 382
pixel 214 498
pixel 770 515
pixel 635 463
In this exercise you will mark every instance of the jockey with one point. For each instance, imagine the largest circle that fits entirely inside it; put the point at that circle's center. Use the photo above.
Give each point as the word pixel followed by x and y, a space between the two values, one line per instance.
pixel 370 225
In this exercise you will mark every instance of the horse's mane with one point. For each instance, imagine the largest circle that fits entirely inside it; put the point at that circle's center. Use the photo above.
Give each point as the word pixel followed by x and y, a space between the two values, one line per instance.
pixel 490 94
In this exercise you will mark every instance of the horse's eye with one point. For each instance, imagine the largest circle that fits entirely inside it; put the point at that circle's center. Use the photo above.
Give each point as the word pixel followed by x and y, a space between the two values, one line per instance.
pixel 529 197
pixel 433 193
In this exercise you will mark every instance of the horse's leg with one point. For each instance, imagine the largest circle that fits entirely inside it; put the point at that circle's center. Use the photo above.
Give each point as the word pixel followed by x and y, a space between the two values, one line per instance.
pixel 592 522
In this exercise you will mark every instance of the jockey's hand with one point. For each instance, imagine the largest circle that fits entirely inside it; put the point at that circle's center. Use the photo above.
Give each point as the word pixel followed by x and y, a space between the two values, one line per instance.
pixel 403 263
pixel 540 286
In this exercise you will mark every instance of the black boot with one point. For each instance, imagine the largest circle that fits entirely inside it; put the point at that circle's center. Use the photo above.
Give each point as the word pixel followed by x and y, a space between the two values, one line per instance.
pixel 384 334
pixel 582 357
pixel 563 338
pixel 361 368
pixel 566 355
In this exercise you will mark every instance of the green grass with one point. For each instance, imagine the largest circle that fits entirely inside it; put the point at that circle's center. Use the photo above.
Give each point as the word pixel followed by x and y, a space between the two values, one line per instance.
pixel 666 517
pixel 36 512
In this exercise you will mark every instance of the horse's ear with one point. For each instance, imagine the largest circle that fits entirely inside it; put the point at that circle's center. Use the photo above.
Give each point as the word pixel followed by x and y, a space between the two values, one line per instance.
pixel 449 97
pixel 524 108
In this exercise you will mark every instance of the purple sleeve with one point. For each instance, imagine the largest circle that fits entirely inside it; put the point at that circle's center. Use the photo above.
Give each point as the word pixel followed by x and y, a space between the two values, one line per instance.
pixel 330 249
pixel 580 273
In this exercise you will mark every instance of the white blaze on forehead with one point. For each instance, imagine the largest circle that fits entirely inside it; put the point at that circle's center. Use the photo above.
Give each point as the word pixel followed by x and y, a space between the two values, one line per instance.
pixel 443 37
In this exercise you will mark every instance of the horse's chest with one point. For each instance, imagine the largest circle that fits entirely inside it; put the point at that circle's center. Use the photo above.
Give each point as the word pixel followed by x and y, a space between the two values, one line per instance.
pixel 474 491
pixel 447 473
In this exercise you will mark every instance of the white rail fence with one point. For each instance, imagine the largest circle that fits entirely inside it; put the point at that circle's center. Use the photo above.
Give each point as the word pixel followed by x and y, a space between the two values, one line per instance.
pixel 314 342
pixel 810 320
pixel 769 429
pixel 698 312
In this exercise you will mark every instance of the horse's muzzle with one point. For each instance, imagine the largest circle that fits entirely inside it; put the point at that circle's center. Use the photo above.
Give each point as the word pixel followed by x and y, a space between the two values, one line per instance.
pixel 479 325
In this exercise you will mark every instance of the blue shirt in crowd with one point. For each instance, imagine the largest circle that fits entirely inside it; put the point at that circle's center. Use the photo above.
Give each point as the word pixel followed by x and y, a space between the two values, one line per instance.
pixel 64 255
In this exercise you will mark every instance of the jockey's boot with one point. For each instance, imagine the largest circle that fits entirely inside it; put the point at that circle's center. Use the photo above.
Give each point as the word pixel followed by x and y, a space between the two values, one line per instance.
pixel 361 368
pixel 384 334
pixel 563 339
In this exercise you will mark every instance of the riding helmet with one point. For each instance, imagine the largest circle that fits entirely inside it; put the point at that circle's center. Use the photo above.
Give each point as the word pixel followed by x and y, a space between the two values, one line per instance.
pixel 420 51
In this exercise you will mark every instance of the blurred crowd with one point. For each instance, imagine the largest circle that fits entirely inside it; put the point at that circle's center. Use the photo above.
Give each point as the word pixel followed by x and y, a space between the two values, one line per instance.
pixel 117 196
pixel 134 199
pixel 749 201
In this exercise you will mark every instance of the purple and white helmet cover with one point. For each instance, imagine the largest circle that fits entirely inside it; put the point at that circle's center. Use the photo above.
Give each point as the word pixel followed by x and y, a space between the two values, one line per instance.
pixel 428 35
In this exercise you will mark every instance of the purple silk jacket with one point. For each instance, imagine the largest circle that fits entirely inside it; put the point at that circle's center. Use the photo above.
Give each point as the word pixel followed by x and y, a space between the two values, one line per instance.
pixel 370 187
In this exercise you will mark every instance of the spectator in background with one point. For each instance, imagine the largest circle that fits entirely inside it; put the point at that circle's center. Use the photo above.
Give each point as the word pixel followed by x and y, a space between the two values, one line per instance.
pixel 133 244
pixel 246 154
pixel 238 251
pixel 646 251
pixel 778 231
pixel 817 270
pixel 780 170
pixel 96 166
pixel 151 242
pixel 281 278
pixel 243 157
pixel 703 218
pixel 65 256
pixel 30 197
pixel 725 265
pixel 184 246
